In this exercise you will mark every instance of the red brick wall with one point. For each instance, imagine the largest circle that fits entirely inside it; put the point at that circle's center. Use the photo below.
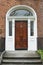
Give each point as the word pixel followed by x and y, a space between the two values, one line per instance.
pixel 5 5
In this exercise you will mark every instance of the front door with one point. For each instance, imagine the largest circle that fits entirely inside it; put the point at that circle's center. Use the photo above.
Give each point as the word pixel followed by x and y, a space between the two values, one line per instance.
pixel 21 35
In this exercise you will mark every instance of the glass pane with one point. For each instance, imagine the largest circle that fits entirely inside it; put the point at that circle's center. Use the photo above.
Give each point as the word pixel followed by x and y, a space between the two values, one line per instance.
pixel 32 28
pixel 21 13
pixel 10 28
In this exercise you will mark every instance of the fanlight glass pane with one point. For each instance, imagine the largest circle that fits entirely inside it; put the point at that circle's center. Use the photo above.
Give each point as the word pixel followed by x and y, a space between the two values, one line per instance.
pixel 21 13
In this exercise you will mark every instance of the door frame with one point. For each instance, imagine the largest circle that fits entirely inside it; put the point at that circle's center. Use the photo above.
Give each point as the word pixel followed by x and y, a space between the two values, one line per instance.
pixel 9 42
pixel 28 21
pixel 32 39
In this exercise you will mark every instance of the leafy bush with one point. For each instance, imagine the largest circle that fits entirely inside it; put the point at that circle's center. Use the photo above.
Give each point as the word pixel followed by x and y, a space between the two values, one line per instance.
pixel 41 53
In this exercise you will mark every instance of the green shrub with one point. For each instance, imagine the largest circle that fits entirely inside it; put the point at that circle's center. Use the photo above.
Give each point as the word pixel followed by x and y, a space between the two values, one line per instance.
pixel 41 53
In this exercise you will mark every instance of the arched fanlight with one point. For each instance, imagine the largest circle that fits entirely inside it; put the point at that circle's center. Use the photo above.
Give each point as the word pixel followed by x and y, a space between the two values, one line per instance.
pixel 21 12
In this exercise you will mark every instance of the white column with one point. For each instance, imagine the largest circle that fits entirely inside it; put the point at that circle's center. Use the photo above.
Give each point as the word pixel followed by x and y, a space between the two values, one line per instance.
pixel 6 34
pixel 28 32
pixel 13 29
pixel 35 32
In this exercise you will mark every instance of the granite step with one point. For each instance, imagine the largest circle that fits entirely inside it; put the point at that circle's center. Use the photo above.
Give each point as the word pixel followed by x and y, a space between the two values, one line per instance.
pixel 20 61
pixel 22 55
pixel 21 64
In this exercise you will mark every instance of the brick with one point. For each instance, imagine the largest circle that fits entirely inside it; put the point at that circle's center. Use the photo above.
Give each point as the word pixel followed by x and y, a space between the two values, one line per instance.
pixel 37 5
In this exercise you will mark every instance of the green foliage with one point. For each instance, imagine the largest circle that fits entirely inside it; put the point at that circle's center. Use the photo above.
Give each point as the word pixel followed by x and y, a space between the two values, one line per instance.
pixel 41 53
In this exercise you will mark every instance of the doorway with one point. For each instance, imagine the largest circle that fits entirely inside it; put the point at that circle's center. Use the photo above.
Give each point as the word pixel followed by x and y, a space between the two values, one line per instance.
pixel 21 35
pixel 21 29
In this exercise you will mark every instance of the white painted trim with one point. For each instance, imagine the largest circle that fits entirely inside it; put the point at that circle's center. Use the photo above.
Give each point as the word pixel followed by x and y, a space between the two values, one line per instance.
pixel 28 32
pixel 21 7
pixel 30 38
pixel 19 17
pixel 13 30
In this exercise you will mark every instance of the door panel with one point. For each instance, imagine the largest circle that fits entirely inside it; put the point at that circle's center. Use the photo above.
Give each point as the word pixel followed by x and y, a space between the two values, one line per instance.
pixel 21 35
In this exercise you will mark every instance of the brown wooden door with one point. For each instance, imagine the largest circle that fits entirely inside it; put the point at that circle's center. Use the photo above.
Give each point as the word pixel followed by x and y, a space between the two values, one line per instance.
pixel 21 35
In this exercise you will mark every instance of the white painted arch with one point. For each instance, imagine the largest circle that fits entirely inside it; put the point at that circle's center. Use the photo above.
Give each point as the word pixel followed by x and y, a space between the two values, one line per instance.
pixel 21 7
pixel 32 39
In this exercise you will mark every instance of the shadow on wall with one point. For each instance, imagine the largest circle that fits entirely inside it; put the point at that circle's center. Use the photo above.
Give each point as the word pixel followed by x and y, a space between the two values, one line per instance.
pixel 40 43
pixel 2 44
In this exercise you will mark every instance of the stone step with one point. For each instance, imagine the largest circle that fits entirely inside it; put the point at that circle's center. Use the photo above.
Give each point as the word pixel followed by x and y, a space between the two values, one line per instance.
pixel 35 61
pixel 22 55
pixel 21 64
